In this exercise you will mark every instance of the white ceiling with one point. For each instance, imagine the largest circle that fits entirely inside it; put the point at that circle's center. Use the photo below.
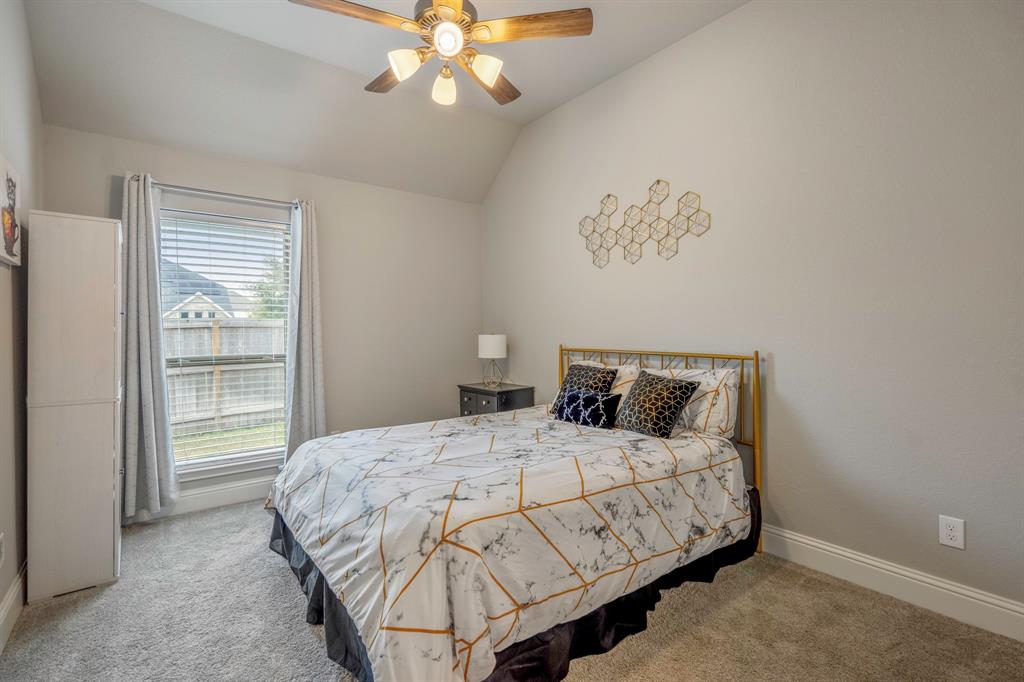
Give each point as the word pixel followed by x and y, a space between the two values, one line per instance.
pixel 548 72
pixel 269 81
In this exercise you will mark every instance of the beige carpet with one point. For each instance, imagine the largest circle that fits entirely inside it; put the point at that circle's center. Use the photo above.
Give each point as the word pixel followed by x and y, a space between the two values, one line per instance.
pixel 202 598
pixel 769 619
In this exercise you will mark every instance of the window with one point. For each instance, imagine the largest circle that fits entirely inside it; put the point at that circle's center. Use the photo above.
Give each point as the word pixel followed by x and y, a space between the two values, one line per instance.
pixel 224 291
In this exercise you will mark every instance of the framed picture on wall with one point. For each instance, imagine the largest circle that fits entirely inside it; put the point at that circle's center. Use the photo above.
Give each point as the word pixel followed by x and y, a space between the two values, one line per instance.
pixel 13 213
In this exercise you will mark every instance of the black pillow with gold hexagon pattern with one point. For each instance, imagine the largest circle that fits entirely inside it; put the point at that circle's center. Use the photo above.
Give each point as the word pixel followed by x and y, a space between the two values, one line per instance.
pixel 653 404
pixel 585 378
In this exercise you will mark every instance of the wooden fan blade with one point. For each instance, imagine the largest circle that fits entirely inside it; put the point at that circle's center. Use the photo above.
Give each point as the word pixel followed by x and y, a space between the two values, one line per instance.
pixel 502 91
pixel 561 24
pixel 351 9
pixel 383 82
pixel 449 10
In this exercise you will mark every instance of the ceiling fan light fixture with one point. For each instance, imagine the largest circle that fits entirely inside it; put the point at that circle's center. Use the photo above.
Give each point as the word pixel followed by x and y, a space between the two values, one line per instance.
pixel 444 87
pixel 486 68
pixel 449 27
pixel 404 62
pixel 448 39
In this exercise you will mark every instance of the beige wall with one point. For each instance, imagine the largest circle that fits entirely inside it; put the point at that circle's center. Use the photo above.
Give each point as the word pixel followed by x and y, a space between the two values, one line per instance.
pixel 399 272
pixel 863 165
pixel 20 144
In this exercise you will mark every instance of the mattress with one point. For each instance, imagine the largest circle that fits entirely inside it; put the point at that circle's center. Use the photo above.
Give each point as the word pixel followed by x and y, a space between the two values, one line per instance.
pixel 449 541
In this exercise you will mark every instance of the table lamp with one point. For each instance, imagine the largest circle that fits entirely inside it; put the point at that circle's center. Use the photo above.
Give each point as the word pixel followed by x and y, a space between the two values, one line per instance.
pixel 491 347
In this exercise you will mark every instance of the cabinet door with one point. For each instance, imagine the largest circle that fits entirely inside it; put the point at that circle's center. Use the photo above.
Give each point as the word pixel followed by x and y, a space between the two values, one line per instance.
pixel 73 310
pixel 117 467
pixel 70 488
pixel 119 303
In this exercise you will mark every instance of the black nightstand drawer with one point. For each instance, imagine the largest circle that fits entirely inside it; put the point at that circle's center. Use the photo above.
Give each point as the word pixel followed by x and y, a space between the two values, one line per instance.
pixel 467 403
pixel 480 399
pixel 487 403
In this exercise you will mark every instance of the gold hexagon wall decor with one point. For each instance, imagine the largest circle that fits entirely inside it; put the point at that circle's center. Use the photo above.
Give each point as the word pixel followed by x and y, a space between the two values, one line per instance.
pixel 625 236
pixel 642 232
pixel 659 229
pixel 586 227
pixel 658 191
pixel 678 226
pixel 609 204
pixel 608 239
pixel 641 223
pixel 700 222
pixel 632 252
pixel 668 247
pixel 652 211
pixel 689 203
pixel 633 217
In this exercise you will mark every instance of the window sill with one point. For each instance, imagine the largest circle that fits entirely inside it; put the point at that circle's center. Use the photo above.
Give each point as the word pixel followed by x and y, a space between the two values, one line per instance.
pixel 228 465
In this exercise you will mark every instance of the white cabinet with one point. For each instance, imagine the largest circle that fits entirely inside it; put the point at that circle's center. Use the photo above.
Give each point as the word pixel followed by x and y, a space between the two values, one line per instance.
pixel 74 391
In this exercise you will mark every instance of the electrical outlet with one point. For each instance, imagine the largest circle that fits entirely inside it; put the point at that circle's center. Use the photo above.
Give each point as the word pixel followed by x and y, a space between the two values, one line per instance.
pixel 951 532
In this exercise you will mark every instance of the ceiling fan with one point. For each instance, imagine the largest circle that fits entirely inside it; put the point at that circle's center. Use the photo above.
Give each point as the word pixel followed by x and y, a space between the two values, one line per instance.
pixel 449 28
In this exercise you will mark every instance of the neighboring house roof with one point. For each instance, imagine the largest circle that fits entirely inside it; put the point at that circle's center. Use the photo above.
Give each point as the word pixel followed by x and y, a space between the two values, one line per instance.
pixel 189 305
pixel 178 285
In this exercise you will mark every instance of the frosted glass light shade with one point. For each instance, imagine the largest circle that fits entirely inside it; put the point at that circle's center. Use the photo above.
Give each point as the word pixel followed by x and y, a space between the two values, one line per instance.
pixel 487 68
pixel 490 346
pixel 444 89
pixel 448 39
pixel 404 63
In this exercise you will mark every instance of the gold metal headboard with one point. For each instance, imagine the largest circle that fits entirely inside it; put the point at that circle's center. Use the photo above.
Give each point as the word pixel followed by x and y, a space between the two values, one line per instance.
pixel 748 409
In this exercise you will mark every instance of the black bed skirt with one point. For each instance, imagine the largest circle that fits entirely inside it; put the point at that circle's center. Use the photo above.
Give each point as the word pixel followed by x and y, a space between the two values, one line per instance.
pixel 542 658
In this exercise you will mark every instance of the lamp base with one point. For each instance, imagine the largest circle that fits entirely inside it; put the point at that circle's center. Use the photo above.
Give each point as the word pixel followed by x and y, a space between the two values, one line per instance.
pixel 492 375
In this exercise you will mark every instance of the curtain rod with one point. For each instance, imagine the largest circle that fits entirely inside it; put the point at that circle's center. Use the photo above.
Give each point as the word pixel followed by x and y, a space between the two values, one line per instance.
pixel 237 197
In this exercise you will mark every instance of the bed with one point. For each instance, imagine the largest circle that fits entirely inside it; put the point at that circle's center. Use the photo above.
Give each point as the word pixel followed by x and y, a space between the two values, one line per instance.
pixel 497 547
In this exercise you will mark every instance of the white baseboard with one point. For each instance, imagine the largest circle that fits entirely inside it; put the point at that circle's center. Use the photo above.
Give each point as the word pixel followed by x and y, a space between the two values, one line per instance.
pixel 10 607
pixel 960 602
pixel 220 494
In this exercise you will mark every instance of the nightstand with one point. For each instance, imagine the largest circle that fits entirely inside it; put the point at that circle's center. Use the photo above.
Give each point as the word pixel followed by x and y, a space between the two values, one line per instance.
pixel 479 399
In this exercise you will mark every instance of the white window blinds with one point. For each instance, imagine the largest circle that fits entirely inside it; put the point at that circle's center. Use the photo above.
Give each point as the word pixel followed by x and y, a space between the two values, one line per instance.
pixel 224 296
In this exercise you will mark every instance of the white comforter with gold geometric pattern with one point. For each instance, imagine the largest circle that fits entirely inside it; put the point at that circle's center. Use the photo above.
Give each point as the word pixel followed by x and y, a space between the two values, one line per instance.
pixel 448 541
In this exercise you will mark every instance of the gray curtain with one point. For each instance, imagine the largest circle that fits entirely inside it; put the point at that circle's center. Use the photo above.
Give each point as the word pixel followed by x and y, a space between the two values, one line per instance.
pixel 304 376
pixel 150 483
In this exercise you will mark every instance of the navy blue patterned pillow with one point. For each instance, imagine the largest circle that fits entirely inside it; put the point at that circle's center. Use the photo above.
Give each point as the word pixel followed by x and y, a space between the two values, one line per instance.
pixel 584 378
pixel 588 408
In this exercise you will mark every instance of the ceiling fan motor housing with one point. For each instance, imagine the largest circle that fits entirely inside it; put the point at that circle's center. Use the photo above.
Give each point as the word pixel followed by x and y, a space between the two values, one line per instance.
pixel 424 6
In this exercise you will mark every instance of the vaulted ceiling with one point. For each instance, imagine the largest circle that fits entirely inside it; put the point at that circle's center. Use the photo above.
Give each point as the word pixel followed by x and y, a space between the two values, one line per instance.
pixel 266 80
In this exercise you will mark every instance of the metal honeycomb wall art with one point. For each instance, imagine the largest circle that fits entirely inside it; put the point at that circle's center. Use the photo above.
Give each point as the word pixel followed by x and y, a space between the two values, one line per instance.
pixel 642 225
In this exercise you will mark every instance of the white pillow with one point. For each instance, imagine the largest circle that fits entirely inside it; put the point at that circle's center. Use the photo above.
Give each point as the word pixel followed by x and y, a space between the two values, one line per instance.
pixel 624 378
pixel 713 407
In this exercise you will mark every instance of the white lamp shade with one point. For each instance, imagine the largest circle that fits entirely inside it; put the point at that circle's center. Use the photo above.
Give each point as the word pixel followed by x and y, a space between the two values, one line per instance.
pixel 444 89
pixel 404 63
pixel 487 68
pixel 492 346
